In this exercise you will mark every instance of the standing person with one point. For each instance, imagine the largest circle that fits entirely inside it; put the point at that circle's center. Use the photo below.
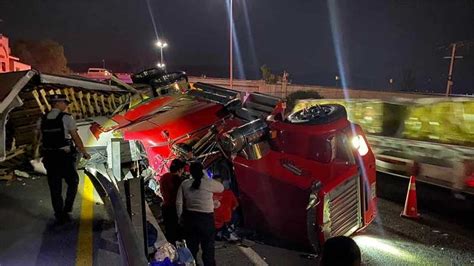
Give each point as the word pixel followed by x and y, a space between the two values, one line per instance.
pixel 198 215
pixel 59 137
pixel 169 184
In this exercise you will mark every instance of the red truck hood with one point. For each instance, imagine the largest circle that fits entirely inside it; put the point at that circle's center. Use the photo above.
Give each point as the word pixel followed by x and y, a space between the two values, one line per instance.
pixel 147 108
pixel 177 117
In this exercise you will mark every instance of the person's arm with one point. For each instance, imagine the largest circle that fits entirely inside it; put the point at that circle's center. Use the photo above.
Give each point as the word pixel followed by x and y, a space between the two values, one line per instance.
pixel 78 141
pixel 235 203
pixel 214 186
pixel 179 202
pixel 70 125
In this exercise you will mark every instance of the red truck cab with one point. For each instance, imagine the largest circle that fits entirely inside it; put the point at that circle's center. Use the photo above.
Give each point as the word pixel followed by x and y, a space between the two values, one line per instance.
pixel 302 178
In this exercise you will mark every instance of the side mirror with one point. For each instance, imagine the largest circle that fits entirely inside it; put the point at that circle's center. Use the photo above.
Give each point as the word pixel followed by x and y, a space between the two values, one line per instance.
pixel 317 185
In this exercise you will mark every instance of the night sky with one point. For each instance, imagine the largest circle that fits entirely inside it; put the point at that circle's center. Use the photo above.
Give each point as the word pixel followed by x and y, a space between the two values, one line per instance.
pixel 376 39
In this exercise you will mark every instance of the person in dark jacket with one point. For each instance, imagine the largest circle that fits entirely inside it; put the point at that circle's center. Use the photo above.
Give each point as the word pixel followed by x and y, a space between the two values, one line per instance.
pixel 60 141
pixel 169 184
pixel 195 206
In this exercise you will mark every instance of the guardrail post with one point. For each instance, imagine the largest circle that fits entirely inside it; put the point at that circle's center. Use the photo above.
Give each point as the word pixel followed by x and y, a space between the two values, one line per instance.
pixel 133 190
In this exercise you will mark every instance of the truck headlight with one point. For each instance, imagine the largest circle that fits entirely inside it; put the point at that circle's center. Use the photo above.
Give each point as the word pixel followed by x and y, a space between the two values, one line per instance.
pixel 358 142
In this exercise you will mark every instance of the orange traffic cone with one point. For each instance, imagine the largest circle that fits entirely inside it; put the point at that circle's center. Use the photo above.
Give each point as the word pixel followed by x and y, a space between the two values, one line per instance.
pixel 411 209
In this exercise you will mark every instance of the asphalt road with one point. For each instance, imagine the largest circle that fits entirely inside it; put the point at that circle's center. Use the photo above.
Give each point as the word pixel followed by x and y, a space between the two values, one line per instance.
pixel 391 240
pixel 444 235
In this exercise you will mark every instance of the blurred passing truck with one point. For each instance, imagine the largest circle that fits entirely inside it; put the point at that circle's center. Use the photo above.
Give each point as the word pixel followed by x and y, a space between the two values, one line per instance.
pixel 436 134
pixel 302 178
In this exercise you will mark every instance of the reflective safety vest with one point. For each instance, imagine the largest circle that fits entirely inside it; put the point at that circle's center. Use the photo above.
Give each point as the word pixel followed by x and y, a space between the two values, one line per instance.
pixel 52 130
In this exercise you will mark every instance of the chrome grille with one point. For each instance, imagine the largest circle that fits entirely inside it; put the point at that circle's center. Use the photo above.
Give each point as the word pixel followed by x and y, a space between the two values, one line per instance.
pixel 344 208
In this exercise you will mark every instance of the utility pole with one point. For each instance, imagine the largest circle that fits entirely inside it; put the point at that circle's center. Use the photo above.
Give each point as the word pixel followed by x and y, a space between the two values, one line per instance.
pixel 449 86
pixel 453 57
pixel 284 83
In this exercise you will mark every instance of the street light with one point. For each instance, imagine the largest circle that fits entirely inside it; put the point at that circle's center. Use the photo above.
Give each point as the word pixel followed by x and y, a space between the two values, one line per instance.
pixel 161 45
pixel 160 65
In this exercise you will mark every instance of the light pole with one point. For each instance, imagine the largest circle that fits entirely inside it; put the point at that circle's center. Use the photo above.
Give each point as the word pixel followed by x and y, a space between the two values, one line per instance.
pixel 231 30
pixel 161 45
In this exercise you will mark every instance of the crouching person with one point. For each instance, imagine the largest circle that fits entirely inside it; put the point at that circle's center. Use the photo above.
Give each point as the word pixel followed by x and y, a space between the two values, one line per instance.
pixel 225 204
pixel 195 207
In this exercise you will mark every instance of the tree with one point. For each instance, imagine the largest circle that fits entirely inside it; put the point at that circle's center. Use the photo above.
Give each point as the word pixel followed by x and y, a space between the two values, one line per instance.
pixel 267 75
pixel 408 80
pixel 44 55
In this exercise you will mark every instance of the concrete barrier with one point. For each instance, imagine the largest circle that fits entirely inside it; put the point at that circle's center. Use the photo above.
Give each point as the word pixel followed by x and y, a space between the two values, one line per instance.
pixel 326 92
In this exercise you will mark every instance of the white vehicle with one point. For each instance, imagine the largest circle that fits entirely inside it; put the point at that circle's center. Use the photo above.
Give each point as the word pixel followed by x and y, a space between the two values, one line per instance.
pixel 98 72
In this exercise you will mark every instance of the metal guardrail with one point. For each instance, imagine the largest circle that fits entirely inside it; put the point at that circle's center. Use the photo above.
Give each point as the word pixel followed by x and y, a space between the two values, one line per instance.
pixel 130 250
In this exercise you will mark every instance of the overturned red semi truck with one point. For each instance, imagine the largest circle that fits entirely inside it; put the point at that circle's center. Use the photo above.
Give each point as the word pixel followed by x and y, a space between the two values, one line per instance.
pixel 302 177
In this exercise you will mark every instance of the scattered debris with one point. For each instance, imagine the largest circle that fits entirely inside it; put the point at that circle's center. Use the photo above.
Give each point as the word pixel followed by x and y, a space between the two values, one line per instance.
pixel 459 196
pixel 4 171
pixel 6 177
pixel 309 256
pixel 21 174
pixel 38 166
pixel 14 153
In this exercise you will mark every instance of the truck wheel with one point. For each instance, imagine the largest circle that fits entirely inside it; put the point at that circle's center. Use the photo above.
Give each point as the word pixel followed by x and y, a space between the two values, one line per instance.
pixel 318 114
pixel 147 76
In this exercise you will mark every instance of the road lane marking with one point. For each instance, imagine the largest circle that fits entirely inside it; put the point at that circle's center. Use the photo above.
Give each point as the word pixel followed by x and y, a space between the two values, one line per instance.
pixel 253 256
pixel 85 237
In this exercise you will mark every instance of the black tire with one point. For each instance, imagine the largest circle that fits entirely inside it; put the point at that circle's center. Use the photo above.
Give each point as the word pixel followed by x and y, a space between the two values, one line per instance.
pixel 147 76
pixel 318 114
